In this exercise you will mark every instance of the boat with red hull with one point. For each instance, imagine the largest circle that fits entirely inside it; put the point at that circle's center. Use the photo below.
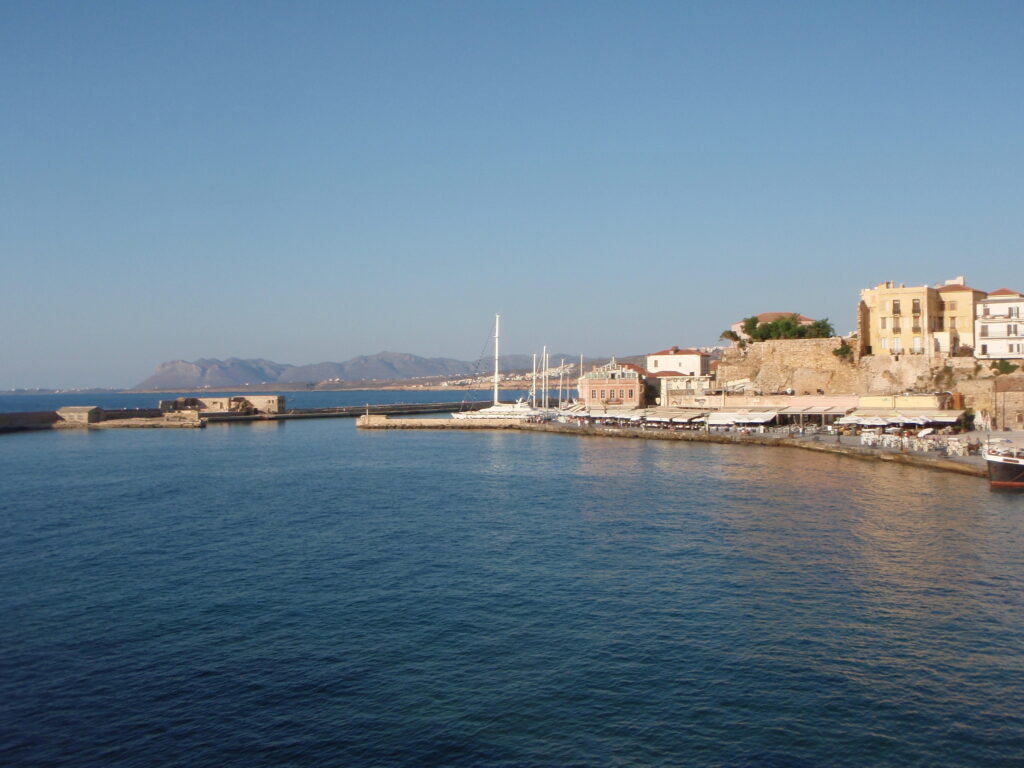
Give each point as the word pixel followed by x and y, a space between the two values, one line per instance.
pixel 1005 460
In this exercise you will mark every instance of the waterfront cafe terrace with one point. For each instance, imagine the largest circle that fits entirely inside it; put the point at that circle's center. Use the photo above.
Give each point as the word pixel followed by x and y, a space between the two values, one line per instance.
pixel 821 411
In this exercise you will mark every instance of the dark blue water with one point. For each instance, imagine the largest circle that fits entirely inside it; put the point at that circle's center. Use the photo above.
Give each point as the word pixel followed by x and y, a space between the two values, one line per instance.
pixel 300 593
pixel 327 399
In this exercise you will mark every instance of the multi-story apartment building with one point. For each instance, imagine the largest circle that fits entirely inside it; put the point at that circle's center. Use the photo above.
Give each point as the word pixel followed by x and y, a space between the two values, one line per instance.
pixel 999 325
pixel 917 320
pixel 616 384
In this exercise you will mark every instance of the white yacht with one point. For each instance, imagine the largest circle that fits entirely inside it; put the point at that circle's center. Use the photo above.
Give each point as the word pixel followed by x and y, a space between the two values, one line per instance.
pixel 521 409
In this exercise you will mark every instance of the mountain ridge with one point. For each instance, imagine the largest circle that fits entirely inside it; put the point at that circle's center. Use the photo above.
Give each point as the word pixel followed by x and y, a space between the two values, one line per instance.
pixel 233 371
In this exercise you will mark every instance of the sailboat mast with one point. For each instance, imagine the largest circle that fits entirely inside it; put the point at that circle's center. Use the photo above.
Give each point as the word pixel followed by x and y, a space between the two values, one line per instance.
pixel 561 375
pixel 579 386
pixel 533 388
pixel 544 375
pixel 497 373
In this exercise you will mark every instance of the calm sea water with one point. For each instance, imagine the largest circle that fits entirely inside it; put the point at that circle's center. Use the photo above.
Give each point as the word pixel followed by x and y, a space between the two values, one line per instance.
pixel 30 402
pixel 300 593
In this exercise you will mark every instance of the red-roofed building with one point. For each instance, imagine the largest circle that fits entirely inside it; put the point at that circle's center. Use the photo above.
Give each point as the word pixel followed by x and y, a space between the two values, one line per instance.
pixel 688 362
pixel 768 317
pixel 615 384
pixel 999 326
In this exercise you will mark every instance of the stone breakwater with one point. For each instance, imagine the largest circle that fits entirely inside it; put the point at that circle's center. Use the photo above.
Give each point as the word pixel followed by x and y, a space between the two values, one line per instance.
pixel 825 444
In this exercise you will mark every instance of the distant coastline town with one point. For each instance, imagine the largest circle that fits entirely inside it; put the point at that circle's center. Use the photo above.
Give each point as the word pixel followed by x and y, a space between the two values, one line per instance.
pixel 928 369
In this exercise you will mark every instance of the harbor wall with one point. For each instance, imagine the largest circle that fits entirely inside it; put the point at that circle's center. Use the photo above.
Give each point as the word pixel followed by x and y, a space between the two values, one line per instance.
pixel 15 422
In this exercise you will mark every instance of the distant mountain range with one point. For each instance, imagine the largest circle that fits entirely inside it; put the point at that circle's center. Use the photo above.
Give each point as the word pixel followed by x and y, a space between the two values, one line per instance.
pixel 181 374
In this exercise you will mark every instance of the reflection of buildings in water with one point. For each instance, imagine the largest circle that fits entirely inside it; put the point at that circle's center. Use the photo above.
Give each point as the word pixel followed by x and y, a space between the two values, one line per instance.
pixel 910 540
pixel 611 457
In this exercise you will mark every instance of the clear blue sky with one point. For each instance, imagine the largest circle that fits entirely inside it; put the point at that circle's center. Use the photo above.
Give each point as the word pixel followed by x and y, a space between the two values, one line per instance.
pixel 311 181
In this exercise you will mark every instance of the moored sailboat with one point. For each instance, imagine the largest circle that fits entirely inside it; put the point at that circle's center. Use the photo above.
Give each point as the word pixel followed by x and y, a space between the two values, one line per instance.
pixel 521 409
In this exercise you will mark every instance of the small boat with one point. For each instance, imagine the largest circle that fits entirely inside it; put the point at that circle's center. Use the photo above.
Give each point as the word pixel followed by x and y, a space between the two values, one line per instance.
pixel 1005 461
pixel 521 409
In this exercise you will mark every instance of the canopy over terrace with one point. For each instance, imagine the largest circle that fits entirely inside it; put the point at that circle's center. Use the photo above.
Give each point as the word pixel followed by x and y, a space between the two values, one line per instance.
pixel 912 416
pixel 815 414
pixel 728 418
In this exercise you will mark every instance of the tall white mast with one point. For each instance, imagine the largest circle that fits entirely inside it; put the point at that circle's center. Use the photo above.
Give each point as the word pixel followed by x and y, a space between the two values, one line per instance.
pixel 544 376
pixel 497 373
pixel 533 389
pixel 561 374
pixel 579 385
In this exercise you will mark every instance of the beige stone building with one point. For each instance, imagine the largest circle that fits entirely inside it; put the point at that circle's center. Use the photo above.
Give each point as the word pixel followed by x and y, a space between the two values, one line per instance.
pixel 226 404
pixel 917 320
pixel 80 415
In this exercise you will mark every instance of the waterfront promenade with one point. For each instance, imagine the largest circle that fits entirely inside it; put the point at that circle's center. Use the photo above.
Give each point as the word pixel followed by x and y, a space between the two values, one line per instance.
pixel 849 445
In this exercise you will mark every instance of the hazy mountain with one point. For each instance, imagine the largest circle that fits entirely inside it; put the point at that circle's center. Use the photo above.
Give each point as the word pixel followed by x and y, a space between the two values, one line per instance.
pixel 384 365
pixel 183 375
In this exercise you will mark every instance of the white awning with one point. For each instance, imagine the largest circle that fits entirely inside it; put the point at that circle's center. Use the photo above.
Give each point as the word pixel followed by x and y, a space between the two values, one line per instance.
pixel 724 418
pixel 759 417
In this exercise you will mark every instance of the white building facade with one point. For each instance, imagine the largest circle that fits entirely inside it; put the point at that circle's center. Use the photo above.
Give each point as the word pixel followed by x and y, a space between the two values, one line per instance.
pixel 999 326
pixel 687 362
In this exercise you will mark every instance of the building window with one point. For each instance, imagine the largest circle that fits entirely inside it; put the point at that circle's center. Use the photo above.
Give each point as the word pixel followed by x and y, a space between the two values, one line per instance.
pixel 1011 330
pixel 631 394
pixel 882 323
pixel 984 349
pixel 951 306
pixel 602 394
pixel 952 324
pixel 593 394
pixel 655 362
pixel 917 306
pixel 897 345
pixel 896 307
pixel 984 311
pixel 939 323
pixel 984 330
pixel 1014 312
pixel 885 343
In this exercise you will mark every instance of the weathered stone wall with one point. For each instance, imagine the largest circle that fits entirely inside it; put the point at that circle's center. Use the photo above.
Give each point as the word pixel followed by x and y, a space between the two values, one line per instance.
pixel 996 400
pixel 809 365
pixel 803 365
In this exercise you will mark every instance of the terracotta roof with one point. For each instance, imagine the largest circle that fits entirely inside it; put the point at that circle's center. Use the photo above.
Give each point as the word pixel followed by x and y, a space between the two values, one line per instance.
pixel 678 351
pixel 1004 292
pixel 661 374
pixel 714 365
pixel 767 317
pixel 958 288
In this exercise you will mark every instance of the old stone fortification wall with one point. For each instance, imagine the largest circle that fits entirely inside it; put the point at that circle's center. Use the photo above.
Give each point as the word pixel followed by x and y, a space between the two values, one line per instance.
pixel 809 365
pixel 803 365
pixel 999 400
pixel 13 422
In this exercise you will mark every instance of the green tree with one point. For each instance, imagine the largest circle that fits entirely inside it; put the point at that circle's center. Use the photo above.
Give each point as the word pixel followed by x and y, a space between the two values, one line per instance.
pixel 844 351
pixel 1003 367
pixel 787 327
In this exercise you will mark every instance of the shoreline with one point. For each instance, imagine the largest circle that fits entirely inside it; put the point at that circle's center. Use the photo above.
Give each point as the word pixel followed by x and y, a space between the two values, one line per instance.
pixel 861 453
